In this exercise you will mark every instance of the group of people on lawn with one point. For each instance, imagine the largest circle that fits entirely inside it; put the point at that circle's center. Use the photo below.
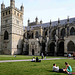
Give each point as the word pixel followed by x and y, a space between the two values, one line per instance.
pixel 67 70
pixel 35 60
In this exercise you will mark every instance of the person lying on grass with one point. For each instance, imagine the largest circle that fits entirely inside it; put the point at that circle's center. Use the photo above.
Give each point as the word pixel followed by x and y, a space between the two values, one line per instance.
pixel 68 68
pixel 56 69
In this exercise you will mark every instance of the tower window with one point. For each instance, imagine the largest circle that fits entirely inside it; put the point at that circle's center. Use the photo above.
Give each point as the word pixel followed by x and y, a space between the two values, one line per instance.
pixel 3 14
pixel 9 11
pixel 6 36
pixel 6 13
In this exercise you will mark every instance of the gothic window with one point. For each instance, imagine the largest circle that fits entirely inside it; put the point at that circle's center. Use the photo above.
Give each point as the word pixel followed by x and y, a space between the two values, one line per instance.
pixel 6 12
pixel 9 11
pixel 36 34
pixel 6 35
pixel 71 46
pixel 3 14
pixel 53 34
pixel 63 33
pixel 28 35
pixel 72 31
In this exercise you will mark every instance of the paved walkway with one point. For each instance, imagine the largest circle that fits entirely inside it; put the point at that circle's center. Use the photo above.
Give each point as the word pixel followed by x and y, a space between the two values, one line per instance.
pixel 29 60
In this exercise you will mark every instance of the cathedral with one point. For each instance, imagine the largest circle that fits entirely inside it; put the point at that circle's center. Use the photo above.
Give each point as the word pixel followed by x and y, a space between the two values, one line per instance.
pixel 55 38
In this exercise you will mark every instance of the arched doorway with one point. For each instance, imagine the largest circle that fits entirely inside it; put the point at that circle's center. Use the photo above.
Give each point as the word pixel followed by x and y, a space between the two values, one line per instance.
pixel 32 51
pixel 51 49
pixel 60 50
pixel 70 47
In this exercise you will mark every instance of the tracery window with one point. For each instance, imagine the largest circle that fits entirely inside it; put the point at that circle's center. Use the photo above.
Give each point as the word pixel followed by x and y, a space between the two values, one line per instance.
pixel 63 33
pixel 6 35
pixel 72 31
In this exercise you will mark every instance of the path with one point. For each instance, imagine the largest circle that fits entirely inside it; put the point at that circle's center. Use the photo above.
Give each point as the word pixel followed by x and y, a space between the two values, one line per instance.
pixel 29 60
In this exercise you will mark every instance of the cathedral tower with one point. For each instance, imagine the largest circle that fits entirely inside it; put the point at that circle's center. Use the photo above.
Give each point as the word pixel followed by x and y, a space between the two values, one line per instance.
pixel 11 29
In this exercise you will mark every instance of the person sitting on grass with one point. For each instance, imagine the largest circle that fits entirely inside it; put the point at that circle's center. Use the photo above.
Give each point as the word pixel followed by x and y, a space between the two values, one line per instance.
pixel 33 60
pixel 37 60
pixel 69 55
pixel 68 68
pixel 56 69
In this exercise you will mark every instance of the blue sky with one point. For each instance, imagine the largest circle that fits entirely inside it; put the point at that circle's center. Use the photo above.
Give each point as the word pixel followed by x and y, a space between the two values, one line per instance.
pixel 45 9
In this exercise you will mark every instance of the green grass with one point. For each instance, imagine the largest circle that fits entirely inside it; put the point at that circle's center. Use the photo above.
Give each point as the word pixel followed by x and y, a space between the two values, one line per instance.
pixel 20 57
pixel 34 68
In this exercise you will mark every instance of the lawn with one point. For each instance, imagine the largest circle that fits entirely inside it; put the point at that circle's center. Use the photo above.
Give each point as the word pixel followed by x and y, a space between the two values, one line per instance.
pixel 34 68
pixel 20 57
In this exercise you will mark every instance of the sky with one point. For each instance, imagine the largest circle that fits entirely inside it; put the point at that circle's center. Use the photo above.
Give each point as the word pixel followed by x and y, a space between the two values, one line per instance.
pixel 44 9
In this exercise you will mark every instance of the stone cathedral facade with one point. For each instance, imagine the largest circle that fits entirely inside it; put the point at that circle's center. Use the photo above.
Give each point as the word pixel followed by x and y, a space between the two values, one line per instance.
pixel 53 38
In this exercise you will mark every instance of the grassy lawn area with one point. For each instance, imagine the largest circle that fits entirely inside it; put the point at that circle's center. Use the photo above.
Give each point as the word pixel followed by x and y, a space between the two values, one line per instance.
pixel 18 57
pixel 34 68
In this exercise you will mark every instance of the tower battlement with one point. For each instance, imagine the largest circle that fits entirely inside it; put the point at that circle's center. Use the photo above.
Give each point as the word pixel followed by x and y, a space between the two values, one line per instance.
pixel 12 5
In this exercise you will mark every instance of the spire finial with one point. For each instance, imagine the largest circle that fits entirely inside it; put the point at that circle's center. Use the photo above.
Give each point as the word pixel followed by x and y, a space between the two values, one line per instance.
pixel 50 22
pixel 68 19
pixel 36 19
pixel 58 20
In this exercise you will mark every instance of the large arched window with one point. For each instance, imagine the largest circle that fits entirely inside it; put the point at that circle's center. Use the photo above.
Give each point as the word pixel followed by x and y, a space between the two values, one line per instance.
pixel 63 33
pixel 72 31
pixel 53 34
pixel 6 35
pixel 71 46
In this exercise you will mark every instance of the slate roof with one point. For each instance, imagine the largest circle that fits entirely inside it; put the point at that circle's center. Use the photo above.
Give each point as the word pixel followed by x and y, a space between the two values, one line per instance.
pixel 54 23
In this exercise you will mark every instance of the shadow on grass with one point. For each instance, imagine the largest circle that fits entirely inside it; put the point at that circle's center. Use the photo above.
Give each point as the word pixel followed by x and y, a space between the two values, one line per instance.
pixel 55 73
